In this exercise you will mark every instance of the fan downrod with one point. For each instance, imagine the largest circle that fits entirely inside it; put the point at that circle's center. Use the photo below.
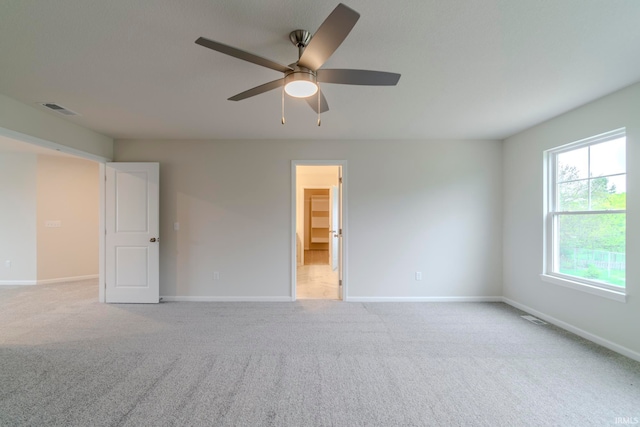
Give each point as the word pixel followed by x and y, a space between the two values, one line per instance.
pixel 300 39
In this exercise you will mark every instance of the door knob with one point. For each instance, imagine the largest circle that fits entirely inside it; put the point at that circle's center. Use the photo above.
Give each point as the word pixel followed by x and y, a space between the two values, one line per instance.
pixel 153 239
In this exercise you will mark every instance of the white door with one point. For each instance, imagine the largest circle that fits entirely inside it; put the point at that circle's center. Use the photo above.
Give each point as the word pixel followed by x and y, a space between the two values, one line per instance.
pixel 132 240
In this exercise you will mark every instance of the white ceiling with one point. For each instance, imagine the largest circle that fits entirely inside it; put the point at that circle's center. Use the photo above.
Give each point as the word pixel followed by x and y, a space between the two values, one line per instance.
pixel 470 69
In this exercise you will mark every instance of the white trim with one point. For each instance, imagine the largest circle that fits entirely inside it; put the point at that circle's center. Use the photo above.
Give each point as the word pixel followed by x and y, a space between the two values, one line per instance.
pixel 578 286
pixel 345 227
pixel 612 211
pixel 551 253
pixel 67 279
pixel 591 140
pixel 23 137
pixel 548 179
pixel 18 282
pixel 294 221
pixel 224 299
pixel 424 299
pixel 102 227
pixel 580 332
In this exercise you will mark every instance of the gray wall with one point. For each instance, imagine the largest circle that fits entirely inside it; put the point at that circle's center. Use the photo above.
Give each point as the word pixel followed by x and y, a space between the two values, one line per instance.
pixel 612 321
pixel 430 206
pixel 18 204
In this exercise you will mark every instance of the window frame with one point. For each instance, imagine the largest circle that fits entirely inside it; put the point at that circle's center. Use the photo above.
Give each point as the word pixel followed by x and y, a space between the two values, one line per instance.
pixel 552 215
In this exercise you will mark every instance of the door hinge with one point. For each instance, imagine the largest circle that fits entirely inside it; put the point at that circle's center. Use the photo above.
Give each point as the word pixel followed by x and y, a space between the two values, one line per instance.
pixel 340 180
pixel 340 282
pixel 340 234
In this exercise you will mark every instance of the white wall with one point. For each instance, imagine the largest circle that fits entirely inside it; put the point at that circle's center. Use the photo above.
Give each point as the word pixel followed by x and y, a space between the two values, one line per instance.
pixel 612 321
pixel 17 218
pixel 430 206
pixel 67 191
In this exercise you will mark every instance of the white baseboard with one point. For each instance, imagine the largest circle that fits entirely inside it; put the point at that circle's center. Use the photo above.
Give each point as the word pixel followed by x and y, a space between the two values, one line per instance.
pixel 580 332
pixel 349 299
pixel 224 299
pixel 17 282
pixel 423 299
pixel 67 279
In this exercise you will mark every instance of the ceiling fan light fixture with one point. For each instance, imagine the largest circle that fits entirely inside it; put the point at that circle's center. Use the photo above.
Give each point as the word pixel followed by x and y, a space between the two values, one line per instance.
pixel 300 84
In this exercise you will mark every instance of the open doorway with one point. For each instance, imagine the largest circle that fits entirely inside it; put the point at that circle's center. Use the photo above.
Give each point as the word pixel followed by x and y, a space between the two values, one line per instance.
pixel 51 221
pixel 319 230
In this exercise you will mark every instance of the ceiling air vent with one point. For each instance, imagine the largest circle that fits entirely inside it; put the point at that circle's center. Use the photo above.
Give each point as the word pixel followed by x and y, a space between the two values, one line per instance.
pixel 59 108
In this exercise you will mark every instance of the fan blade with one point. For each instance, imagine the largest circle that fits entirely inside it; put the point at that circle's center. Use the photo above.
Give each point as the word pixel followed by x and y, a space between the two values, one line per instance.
pixel 258 90
pixel 329 36
pixel 313 102
pixel 241 54
pixel 358 77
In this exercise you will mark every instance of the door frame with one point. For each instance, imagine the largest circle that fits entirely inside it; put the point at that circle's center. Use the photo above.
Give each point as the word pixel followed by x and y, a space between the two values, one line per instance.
pixel 102 175
pixel 345 228
pixel 102 272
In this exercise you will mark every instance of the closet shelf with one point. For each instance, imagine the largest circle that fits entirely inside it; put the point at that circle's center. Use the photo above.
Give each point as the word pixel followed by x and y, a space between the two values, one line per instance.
pixel 320 222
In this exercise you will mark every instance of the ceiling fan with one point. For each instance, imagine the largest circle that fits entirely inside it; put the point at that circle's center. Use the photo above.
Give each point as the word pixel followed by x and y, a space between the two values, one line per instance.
pixel 302 77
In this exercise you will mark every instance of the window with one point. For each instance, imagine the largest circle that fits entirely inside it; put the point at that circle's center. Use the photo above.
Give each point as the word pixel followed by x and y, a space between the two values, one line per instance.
pixel 586 213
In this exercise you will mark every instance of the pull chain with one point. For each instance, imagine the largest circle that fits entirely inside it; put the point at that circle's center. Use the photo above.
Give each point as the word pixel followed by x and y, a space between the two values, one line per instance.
pixel 282 104
pixel 319 122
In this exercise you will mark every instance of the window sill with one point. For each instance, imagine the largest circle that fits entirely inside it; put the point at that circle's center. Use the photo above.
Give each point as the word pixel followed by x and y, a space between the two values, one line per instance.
pixel 583 287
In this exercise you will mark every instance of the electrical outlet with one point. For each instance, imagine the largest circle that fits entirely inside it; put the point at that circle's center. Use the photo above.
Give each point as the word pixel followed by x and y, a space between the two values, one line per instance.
pixel 216 275
pixel 176 226
pixel 418 275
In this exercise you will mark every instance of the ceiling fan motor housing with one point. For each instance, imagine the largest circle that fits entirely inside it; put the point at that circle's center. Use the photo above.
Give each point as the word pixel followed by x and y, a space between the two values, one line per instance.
pixel 300 73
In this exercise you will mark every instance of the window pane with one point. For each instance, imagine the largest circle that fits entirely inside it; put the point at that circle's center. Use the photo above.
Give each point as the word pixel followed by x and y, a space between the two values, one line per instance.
pixel 573 165
pixel 592 246
pixel 608 158
pixel 609 193
pixel 573 196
